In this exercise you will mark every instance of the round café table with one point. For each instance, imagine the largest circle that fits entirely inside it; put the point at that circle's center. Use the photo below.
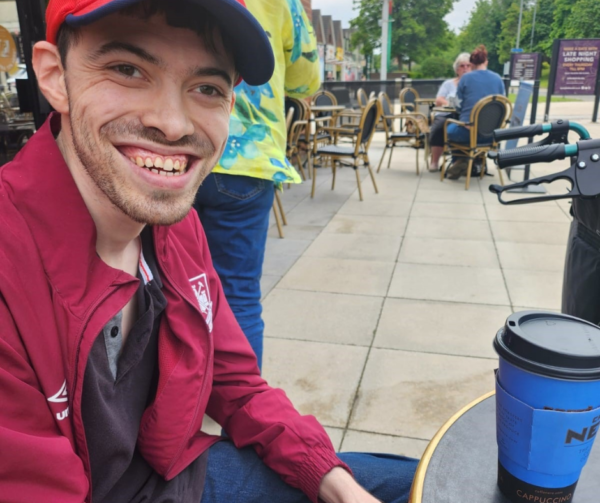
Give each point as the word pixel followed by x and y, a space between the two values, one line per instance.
pixel 460 463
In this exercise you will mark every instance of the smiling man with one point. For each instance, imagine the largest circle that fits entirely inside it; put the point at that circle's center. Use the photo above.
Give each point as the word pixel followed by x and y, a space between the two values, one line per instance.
pixel 115 336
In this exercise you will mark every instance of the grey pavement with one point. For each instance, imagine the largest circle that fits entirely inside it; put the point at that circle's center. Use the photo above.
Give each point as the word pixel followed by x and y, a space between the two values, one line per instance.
pixel 380 314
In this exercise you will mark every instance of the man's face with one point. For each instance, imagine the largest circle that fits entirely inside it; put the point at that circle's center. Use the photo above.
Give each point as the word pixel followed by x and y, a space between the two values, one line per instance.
pixel 149 109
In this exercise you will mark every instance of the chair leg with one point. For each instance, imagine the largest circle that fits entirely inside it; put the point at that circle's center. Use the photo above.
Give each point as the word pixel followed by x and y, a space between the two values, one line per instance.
pixel 360 195
pixel 280 206
pixel 333 171
pixel 468 182
pixel 372 175
pixel 300 168
pixel 382 156
pixel 391 153
pixel 417 151
pixel 443 170
pixel 501 178
pixel 314 184
pixel 278 220
pixel 427 152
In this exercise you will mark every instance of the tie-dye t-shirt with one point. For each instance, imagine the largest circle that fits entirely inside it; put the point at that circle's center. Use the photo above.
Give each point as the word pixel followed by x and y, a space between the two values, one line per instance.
pixel 257 130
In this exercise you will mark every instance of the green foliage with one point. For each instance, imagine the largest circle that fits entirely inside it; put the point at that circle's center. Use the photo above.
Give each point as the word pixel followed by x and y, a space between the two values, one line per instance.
pixel 435 67
pixel 418 28
pixel 584 20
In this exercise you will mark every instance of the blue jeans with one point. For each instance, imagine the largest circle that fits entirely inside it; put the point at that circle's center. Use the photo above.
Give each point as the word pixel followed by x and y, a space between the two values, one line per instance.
pixel 460 134
pixel 234 211
pixel 238 475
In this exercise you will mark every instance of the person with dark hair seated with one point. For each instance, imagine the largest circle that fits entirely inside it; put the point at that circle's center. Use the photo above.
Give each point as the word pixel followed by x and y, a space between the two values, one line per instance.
pixel 446 96
pixel 474 86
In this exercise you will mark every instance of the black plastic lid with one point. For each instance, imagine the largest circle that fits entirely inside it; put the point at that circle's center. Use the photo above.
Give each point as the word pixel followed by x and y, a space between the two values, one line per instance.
pixel 551 344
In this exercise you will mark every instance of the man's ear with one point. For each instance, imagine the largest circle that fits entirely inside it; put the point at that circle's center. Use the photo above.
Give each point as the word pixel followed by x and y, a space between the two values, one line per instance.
pixel 233 96
pixel 51 75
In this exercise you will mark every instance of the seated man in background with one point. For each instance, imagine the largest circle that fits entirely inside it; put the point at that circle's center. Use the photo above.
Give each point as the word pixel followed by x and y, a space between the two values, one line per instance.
pixel 116 336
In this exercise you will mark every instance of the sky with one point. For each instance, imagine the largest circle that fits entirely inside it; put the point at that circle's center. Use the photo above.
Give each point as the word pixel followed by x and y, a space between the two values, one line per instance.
pixel 342 10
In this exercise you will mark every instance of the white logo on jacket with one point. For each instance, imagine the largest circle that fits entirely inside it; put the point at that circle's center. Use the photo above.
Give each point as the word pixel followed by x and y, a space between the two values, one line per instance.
pixel 60 397
pixel 202 293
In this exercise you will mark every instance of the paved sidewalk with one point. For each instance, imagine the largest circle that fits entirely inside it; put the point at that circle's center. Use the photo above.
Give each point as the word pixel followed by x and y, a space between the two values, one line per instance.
pixel 380 314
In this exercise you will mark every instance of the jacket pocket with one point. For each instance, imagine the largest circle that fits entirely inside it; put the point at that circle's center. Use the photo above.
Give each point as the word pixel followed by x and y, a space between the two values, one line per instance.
pixel 239 187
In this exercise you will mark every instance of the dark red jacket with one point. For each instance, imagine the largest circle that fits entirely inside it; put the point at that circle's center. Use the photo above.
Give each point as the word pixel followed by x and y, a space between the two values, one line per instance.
pixel 55 297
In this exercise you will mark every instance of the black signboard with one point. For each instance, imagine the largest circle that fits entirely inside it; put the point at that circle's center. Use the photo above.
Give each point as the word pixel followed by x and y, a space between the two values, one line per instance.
pixel 525 66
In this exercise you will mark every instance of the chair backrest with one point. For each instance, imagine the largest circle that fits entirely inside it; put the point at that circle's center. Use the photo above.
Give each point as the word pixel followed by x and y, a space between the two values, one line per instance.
pixel 368 121
pixel 361 97
pixel 408 96
pixel 386 110
pixel 289 119
pixel 296 106
pixel 490 113
pixel 324 98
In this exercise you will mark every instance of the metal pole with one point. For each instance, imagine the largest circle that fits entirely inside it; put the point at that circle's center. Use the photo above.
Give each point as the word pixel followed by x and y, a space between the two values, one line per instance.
pixel 519 28
pixel 384 39
pixel 533 27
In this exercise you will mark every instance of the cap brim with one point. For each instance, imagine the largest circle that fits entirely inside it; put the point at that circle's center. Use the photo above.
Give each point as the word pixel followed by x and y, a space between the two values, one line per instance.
pixel 253 54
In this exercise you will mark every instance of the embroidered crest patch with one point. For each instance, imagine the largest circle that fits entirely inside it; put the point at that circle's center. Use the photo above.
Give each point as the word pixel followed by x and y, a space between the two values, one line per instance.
pixel 202 293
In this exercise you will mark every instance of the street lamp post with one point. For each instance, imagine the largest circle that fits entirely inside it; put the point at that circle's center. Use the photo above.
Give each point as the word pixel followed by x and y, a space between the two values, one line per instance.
pixel 384 39
pixel 519 28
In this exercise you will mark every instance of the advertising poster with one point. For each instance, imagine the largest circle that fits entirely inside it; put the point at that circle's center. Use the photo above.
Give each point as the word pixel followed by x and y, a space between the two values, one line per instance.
pixel 524 66
pixel 577 67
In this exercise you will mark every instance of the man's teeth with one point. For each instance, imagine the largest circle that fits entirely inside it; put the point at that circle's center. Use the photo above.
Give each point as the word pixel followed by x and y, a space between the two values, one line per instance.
pixel 165 167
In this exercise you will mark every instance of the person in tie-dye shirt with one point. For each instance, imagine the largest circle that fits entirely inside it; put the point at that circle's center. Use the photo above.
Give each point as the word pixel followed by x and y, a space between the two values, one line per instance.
pixel 235 200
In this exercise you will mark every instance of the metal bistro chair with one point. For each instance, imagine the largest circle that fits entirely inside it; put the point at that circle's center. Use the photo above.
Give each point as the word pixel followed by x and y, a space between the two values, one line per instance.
pixel 490 113
pixel 363 135
pixel 408 99
pixel 361 98
pixel 299 122
pixel 414 134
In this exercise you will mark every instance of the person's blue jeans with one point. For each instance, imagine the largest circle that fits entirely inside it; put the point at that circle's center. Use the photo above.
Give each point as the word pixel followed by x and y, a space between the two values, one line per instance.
pixel 234 211
pixel 239 475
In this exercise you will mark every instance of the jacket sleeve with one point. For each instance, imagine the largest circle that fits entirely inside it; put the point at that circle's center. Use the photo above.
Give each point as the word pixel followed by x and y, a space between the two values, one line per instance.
pixel 37 463
pixel 302 73
pixel 254 414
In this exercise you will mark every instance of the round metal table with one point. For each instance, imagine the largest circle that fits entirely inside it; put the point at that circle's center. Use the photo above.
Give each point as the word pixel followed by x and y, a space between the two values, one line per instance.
pixel 460 463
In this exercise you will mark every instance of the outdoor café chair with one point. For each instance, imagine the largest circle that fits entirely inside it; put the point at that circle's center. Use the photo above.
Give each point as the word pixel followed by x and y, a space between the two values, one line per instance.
pixel 298 124
pixel 361 98
pixel 408 98
pixel 489 113
pixel 363 134
pixel 414 131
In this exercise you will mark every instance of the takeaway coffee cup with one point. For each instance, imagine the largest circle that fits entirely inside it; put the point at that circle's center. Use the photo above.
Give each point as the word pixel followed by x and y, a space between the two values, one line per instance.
pixel 547 404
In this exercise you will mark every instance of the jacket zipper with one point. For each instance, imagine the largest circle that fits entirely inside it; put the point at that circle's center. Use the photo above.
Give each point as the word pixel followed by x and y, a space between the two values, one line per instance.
pixel 208 362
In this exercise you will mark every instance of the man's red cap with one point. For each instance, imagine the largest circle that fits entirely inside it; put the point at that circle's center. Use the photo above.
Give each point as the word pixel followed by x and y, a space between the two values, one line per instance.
pixel 252 50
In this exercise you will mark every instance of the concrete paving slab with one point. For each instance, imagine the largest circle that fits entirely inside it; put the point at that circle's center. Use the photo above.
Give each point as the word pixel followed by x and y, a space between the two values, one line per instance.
pixel 475 230
pixel 367 225
pixel 476 285
pixel 449 211
pixel 360 277
pixel 530 232
pixel 267 283
pixel 376 207
pixel 361 441
pixel 413 394
pixel 534 289
pixel 446 196
pixel 540 212
pixel 532 256
pixel 448 252
pixel 320 379
pixel 281 254
pixel 321 317
pixel 440 327
pixel 356 246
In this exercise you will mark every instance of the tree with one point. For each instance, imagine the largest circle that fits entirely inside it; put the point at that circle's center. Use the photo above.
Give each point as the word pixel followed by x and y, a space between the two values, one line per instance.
pixel 509 28
pixel 418 28
pixel 368 32
pixel 584 20
pixel 485 27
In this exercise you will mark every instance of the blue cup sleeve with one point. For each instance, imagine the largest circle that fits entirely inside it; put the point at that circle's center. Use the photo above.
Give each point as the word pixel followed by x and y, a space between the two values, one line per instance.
pixel 545 441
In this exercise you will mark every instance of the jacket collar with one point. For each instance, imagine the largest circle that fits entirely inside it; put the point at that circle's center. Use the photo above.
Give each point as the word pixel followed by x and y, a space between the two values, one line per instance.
pixel 41 187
